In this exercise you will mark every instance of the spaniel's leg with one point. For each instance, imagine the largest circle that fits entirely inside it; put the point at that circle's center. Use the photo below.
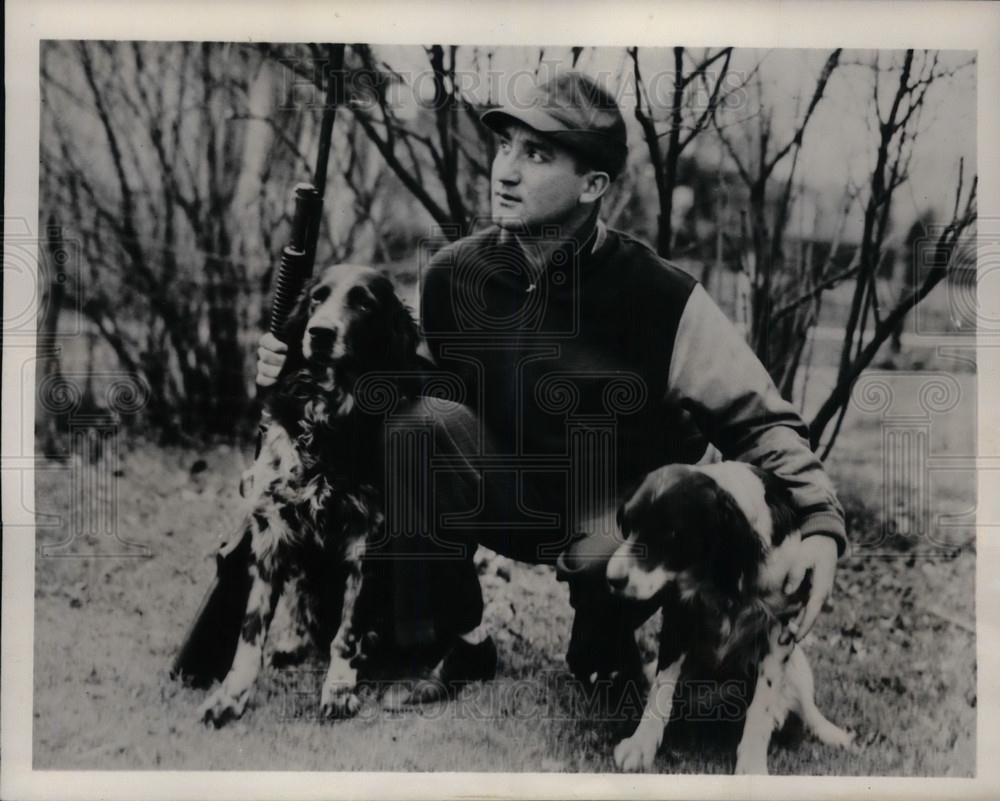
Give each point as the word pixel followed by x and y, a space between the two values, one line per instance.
pixel 766 713
pixel 638 751
pixel 773 697
pixel 230 699
pixel 269 519
pixel 800 679
pixel 339 697
pixel 292 640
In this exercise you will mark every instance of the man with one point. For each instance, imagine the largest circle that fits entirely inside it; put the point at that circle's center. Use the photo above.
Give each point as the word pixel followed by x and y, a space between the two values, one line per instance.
pixel 584 361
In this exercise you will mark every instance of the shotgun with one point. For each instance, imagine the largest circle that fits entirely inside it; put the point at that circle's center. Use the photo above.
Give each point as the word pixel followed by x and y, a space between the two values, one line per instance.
pixel 207 651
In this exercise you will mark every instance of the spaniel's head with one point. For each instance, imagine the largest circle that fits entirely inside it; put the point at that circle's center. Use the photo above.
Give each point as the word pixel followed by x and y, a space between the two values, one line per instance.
pixel 350 319
pixel 701 529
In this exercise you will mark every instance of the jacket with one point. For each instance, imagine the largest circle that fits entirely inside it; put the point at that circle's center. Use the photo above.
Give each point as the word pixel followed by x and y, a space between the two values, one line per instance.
pixel 608 335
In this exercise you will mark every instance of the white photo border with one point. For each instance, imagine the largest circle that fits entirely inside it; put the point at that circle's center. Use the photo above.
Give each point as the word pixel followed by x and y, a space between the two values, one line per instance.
pixel 872 24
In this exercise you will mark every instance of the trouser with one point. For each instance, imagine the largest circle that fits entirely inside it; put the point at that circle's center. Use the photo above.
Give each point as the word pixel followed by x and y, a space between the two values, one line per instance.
pixel 447 491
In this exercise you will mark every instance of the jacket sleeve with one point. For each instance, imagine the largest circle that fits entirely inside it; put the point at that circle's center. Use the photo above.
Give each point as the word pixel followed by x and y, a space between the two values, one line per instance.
pixel 718 379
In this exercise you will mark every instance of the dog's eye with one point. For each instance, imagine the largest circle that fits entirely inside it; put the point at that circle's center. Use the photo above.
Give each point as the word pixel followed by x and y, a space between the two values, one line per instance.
pixel 319 294
pixel 360 299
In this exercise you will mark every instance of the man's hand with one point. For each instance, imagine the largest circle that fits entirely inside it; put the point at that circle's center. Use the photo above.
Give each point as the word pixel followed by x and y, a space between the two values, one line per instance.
pixel 271 353
pixel 818 554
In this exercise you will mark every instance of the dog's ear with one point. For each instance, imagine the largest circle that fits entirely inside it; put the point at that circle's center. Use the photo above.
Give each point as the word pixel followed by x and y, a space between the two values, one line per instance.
pixel 402 329
pixel 739 550
pixel 746 643
pixel 405 336
pixel 295 328
pixel 779 501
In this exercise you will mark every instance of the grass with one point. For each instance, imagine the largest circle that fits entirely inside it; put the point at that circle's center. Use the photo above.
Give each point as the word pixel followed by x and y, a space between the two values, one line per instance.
pixel 892 655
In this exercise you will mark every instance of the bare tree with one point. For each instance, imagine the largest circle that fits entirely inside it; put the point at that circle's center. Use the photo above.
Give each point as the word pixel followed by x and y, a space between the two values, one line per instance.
pixel 686 116
pixel 439 154
pixel 868 327
pixel 144 155
pixel 805 279
pixel 768 220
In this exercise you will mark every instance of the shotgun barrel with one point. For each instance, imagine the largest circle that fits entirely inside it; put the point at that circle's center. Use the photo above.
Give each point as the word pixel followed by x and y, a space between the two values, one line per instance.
pixel 297 258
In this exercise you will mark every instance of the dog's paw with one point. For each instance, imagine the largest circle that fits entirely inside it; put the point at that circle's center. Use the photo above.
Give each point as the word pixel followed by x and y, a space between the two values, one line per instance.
pixel 339 702
pixel 637 752
pixel 338 698
pixel 841 739
pixel 223 706
pixel 751 757
pixel 751 767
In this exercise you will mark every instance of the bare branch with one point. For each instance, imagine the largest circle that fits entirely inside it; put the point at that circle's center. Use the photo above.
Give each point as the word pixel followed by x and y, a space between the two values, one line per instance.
pixel 279 132
pixel 703 67
pixel 943 260
pixel 714 97
pixel 741 168
pixel 821 82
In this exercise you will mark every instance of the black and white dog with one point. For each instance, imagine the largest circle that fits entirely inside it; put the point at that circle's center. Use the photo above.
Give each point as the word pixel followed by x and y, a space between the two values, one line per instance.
pixel 716 543
pixel 313 493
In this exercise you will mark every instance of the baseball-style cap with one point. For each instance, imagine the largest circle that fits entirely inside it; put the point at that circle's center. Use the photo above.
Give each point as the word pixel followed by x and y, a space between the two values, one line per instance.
pixel 574 112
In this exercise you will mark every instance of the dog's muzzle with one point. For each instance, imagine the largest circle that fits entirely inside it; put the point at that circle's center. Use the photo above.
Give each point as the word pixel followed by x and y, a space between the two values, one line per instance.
pixel 321 343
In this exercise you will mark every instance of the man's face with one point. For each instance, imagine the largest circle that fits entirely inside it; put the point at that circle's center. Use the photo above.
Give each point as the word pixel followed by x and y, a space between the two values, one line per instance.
pixel 535 183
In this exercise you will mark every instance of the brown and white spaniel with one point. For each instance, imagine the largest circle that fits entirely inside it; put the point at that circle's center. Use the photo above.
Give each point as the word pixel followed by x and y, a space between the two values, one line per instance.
pixel 313 493
pixel 716 543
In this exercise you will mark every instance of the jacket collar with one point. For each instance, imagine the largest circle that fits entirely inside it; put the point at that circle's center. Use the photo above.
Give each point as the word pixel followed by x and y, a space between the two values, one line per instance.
pixel 578 248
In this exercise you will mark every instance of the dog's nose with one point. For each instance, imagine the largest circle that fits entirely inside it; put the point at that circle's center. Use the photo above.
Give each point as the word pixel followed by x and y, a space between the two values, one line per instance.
pixel 323 335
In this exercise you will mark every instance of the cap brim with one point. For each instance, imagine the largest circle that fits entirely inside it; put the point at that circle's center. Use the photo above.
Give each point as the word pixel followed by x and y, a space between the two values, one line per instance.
pixel 595 147
pixel 535 118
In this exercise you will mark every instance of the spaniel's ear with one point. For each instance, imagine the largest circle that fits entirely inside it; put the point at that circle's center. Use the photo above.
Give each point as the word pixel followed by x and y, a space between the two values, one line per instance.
pixel 740 550
pixel 747 640
pixel 784 517
pixel 405 336
pixel 295 328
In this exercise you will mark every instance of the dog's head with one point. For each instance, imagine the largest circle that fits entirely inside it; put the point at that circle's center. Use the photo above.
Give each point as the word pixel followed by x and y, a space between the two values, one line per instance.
pixel 701 529
pixel 349 318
